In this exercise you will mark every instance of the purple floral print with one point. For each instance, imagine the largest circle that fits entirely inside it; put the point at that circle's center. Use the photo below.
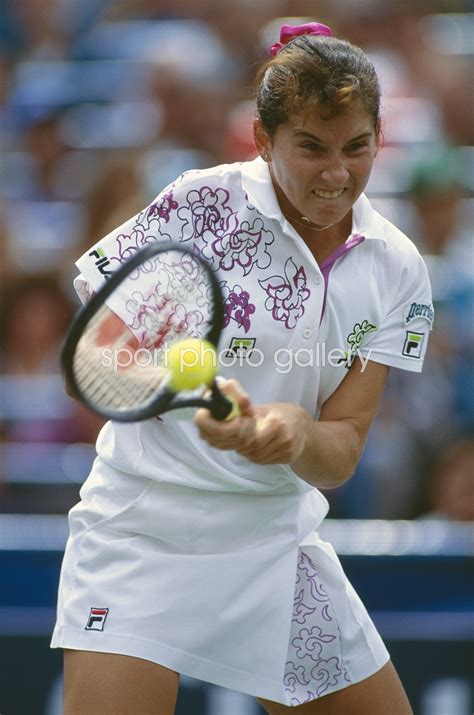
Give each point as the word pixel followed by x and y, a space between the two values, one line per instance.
pixel 245 247
pixel 295 677
pixel 287 294
pixel 300 609
pixel 327 673
pixel 237 306
pixel 155 319
pixel 175 302
pixel 314 662
pixel 206 211
pixel 164 207
pixel 147 229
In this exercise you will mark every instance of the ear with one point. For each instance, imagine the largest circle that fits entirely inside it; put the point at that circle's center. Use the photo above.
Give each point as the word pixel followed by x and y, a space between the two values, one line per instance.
pixel 261 139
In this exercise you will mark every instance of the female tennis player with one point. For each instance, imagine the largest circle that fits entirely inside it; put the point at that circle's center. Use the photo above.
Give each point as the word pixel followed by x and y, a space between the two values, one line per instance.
pixel 194 548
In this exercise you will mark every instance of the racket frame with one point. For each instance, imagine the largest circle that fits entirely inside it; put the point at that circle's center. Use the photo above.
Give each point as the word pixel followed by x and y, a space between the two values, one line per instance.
pixel 218 404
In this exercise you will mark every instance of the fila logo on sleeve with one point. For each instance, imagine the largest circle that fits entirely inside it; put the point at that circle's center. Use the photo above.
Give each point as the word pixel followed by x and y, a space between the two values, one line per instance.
pixel 413 344
pixel 102 261
pixel 97 617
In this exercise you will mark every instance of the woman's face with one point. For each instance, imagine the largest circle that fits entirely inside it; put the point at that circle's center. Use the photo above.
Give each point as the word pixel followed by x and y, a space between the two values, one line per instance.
pixel 320 166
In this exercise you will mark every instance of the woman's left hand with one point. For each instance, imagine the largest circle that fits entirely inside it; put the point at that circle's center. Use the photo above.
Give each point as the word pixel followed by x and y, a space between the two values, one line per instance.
pixel 280 436
pixel 274 433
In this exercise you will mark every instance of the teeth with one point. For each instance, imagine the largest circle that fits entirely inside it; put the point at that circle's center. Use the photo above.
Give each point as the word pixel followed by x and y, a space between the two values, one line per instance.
pixel 328 194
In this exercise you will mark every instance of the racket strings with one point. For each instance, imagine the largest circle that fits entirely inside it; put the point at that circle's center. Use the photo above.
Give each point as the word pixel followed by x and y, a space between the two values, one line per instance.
pixel 120 388
pixel 104 389
pixel 111 373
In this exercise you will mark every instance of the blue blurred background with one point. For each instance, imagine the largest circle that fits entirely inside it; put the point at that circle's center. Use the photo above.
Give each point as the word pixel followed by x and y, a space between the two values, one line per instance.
pixel 102 103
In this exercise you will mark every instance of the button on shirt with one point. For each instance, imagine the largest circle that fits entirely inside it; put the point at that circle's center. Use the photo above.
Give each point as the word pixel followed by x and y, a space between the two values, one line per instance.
pixel 303 324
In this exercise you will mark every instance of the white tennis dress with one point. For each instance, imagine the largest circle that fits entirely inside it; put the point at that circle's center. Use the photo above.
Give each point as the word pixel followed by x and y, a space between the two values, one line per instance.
pixel 195 558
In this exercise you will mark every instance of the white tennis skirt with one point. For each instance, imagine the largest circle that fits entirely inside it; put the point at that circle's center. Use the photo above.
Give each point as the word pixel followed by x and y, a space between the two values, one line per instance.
pixel 161 573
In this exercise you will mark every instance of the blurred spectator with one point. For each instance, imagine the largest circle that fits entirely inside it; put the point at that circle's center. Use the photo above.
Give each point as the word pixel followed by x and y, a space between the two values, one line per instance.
pixel 41 166
pixel 36 316
pixel 195 116
pixel 433 59
pixel 43 143
pixel 33 326
pixel 437 186
pixel 443 232
pixel 45 29
pixel 32 27
pixel 166 88
pixel 36 417
pixel 4 79
pixel 447 487
pixel 117 195
pixel 5 265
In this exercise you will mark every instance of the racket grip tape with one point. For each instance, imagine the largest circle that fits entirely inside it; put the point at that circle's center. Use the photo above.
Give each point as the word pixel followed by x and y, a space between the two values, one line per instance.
pixel 235 412
pixel 221 406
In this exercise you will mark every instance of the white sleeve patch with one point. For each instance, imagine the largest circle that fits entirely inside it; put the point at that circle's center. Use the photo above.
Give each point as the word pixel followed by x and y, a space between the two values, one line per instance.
pixel 413 345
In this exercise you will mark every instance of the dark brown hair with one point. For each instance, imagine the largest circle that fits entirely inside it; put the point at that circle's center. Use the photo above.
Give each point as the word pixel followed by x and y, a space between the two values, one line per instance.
pixel 315 72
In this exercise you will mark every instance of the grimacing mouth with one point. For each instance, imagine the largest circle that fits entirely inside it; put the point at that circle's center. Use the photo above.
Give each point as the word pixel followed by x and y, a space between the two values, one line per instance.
pixel 326 194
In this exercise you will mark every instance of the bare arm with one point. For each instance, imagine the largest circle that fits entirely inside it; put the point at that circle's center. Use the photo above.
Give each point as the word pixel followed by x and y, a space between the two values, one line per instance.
pixel 335 443
pixel 323 452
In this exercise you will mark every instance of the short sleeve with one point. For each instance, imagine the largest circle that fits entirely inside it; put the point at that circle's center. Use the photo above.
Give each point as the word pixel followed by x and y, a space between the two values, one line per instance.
pixel 402 339
pixel 157 222
pixel 83 289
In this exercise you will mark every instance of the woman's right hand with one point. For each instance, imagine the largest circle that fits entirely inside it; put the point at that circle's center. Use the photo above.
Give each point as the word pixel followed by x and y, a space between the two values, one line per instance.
pixel 237 433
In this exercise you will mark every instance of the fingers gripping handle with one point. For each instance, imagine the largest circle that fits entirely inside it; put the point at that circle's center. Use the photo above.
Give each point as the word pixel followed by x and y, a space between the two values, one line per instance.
pixel 227 408
pixel 222 407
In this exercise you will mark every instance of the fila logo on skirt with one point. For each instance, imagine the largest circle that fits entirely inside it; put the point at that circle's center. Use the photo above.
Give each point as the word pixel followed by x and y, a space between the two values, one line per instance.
pixel 96 621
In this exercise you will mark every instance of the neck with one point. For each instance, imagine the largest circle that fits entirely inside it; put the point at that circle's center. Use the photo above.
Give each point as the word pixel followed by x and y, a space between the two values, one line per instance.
pixel 306 222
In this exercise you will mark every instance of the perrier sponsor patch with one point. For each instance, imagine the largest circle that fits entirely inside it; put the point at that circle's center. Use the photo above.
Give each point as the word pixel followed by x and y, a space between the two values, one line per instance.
pixel 419 310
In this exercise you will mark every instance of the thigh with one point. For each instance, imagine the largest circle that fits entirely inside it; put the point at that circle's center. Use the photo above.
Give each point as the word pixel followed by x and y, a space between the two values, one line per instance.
pixel 111 684
pixel 380 694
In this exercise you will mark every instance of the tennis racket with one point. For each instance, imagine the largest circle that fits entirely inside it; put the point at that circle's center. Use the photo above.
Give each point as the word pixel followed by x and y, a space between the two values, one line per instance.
pixel 115 356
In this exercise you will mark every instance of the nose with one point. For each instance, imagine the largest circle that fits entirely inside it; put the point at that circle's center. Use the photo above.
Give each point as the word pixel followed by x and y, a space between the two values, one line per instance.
pixel 335 174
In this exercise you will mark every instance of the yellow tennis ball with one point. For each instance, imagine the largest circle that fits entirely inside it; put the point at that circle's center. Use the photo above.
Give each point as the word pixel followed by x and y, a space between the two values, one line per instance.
pixel 192 363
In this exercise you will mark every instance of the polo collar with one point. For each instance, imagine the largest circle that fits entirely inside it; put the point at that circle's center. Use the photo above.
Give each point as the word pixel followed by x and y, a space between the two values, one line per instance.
pixel 257 183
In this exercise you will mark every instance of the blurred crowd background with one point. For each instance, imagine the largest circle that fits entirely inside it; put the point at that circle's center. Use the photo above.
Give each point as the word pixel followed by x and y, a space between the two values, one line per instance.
pixel 104 102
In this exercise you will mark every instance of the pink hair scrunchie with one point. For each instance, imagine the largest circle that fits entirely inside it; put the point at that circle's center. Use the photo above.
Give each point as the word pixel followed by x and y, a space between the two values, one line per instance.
pixel 290 32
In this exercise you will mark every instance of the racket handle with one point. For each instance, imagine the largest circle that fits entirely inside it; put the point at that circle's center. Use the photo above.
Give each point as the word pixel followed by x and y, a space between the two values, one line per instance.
pixel 228 406
pixel 235 412
pixel 222 407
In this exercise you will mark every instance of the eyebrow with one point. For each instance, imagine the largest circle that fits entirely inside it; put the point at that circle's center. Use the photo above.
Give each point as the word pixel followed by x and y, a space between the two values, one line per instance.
pixel 308 135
